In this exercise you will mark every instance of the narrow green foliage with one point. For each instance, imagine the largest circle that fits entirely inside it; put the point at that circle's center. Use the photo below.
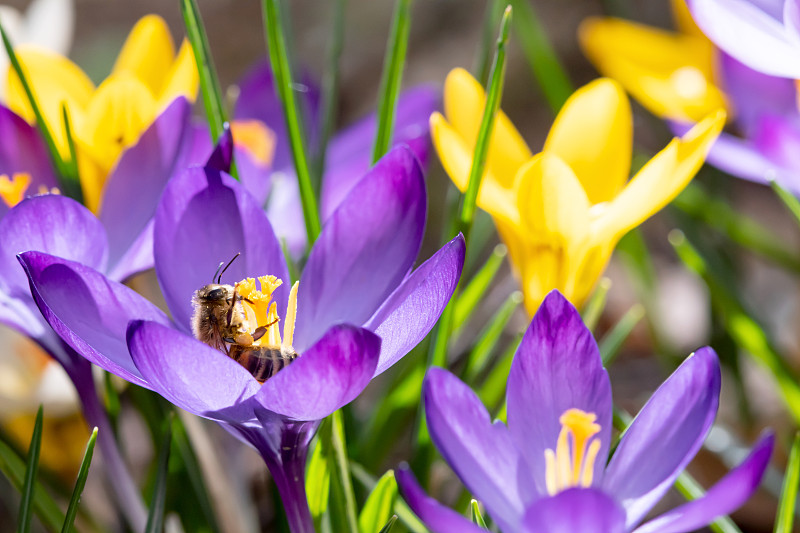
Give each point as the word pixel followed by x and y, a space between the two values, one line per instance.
pixel 494 95
pixel 475 512
pixel 379 505
pixel 13 467
pixel 72 164
pixel 786 508
pixel 318 479
pixel 32 467
pixel 596 304
pixel 401 508
pixel 80 483
pixel 547 69
pixel 392 77
pixel 342 481
pixel 494 10
pixel 70 184
pixel 488 337
pixel 475 290
pixel 789 200
pixel 209 82
pixel 155 518
pixel 746 332
pixel 281 70
pixel 493 389
pixel 389 525
pixel 612 342
pixel 330 86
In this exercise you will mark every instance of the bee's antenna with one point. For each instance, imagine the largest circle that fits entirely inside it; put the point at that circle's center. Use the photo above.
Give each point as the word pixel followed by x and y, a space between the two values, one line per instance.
pixel 219 274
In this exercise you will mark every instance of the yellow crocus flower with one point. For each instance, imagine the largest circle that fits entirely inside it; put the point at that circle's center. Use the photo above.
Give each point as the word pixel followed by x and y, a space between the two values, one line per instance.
pixel 106 120
pixel 562 211
pixel 671 74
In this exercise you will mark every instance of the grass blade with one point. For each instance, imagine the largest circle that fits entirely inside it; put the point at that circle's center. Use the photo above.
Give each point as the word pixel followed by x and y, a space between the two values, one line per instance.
pixel 494 10
pixel 788 502
pixel 789 200
pixel 475 511
pixel 494 94
pixel 401 508
pixel 209 82
pixel 29 485
pixel 155 519
pixel 596 304
pixel 279 59
pixel 389 525
pixel 80 483
pixel 488 337
pixel 475 290
pixel 613 340
pixel 341 479
pixel 378 508
pixel 392 77
pixel 547 69
pixel 70 184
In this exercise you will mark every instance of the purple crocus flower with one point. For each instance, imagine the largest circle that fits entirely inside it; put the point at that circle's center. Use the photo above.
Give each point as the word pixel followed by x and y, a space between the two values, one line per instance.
pixel 546 472
pixel 118 243
pixel 359 307
pixel 348 154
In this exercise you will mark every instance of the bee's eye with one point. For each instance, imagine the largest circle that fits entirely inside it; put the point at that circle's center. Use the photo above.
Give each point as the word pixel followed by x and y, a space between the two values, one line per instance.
pixel 217 294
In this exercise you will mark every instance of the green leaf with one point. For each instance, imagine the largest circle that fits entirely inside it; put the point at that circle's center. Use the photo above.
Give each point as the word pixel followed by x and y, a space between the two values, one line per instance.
pixel 155 518
pixel 477 517
pixel 209 82
pixel 378 507
pixel 475 290
pixel 281 70
pixel 489 336
pixel 494 94
pixel 392 77
pixel 596 304
pixel 494 10
pixel 341 482
pixel 318 481
pixel 330 87
pixel 80 483
pixel 70 183
pixel 72 164
pixel 389 525
pixel 401 508
pixel 788 502
pixel 547 69
pixel 613 340
pixel 789 200
pixel 493 389
pixel 13 467
pixel 32 467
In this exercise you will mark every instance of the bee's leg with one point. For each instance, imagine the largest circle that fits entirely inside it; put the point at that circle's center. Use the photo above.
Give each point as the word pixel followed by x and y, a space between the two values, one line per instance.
pixel 262 330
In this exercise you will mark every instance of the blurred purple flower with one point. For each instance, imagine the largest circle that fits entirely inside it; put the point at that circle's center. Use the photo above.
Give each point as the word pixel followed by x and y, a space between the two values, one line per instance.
pixel 546 471
pixel 360 307
pixel 348 153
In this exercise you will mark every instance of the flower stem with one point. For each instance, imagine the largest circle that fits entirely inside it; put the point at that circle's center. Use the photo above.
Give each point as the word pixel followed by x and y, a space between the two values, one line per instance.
pixel 290 479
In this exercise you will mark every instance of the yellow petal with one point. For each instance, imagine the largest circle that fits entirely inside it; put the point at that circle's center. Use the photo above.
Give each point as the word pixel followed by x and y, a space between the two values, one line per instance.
pixel 120 110
pixel 672 75
pixel 684 20
pixel 255 137
pixel 55 80
pixel 148 53
pixel 659 181
pixel 464 100
pixel 182 79
pixel 92 176
pixel 593 134
pixel 456 158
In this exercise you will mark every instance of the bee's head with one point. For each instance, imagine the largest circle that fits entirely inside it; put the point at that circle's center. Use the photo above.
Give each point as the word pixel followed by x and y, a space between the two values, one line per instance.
pixel 214 293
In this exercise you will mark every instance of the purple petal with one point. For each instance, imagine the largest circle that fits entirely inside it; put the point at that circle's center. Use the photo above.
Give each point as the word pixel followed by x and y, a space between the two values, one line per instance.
pixel 778 139
pixel 325 377
pixel 190 374
pixel 437 517
pixel 749 34
pixel 573 511
pixel 206 217
pixel 557 367
pixel 53 224
pixel 365 249
pixel 285 212
pixel 89 311
pixel 753 94
pixel 348 156
pixel 255 176
pixel 415 306
pixel 23 150
pixel 665 435
pixel 221 156
pixel 726 496
pixel 138 258
pixel 482 454
pixel 131 195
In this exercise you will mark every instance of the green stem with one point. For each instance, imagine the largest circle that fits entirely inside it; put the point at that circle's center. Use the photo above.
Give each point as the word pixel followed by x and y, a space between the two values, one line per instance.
pixel 330 88
pixel 343 470
pixel 279 60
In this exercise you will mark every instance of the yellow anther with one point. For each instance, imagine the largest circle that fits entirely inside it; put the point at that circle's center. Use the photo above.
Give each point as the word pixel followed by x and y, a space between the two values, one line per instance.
pixel 262 312
pixel 256 138
pixel 291 316
pixel 572 462
pixel 12 191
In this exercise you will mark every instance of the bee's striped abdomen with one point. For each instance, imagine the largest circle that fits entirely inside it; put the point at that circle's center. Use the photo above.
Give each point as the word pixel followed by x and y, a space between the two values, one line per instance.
pixel 262 362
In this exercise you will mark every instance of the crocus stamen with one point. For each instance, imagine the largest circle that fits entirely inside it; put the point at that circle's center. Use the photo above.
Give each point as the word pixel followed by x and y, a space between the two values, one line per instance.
pixel 262 312
pixel 12 191
pixel 572 466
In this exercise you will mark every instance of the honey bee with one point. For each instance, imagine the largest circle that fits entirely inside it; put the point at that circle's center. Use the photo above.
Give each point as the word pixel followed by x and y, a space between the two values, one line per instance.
pixel 220 320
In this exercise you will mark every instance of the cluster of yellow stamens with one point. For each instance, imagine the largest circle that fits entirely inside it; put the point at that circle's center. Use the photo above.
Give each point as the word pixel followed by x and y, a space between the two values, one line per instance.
pixel 262 312
pixel 572 463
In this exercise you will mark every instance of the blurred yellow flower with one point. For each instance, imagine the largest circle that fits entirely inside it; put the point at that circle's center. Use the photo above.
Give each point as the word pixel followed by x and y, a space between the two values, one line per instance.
pixel 562 211
pixel 671 74
pixel 106 120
